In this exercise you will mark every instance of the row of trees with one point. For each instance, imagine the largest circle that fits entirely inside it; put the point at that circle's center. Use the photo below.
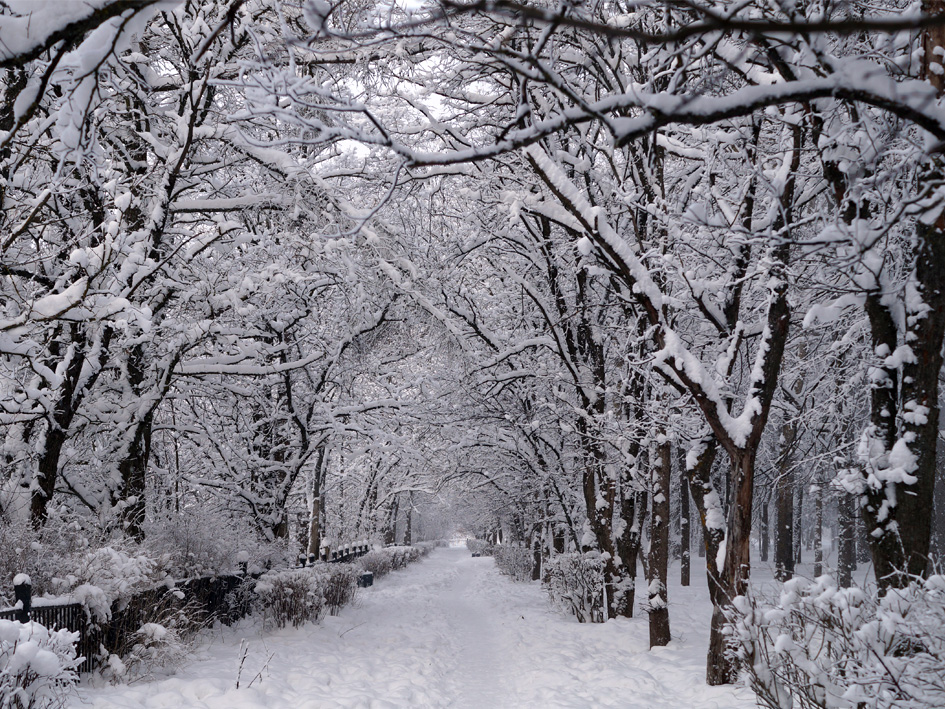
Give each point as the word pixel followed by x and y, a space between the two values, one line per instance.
pixel 544 262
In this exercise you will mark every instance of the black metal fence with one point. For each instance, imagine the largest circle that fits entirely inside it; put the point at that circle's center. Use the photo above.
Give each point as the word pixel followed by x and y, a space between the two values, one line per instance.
pixel 201 601
pixel 70 616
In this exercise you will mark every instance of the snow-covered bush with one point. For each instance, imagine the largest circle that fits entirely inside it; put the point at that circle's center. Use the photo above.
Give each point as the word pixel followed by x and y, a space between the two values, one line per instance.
pixel 844 648
pixel 378 562
pixel 194 544
pixel 479 546
pixel 109 576
pixel 42 554
pixel 515 561
pixel 37 666
pixel 402 555
pixel 575 583
pixel 153 646
pixel 293 596
pixel 338 584
pixel 426 547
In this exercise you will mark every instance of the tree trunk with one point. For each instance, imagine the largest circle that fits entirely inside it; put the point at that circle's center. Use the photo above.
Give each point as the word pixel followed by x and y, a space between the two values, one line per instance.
pixel 798 528
pixel 818 531
pixel 657 599
pixel 684 529
pixel 633 514
pixel 314 532
pixel 390 530
pixel 408 525
pixel 765 531
pixel 784 509
pixel 846 547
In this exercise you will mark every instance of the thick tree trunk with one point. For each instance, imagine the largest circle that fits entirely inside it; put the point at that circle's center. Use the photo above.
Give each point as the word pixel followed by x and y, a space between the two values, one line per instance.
pixel 846 546
pixel 633 514
pixel 657 598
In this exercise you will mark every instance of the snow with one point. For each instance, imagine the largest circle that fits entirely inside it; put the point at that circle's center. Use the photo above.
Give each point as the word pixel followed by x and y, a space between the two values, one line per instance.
pixel 448 631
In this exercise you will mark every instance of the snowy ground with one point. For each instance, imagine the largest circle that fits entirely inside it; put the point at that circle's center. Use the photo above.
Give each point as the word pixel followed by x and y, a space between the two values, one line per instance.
pixel 449 631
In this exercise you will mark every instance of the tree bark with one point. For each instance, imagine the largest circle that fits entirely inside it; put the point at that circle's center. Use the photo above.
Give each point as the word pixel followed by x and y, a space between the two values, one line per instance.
pixel 784 508
pixel 765 531
pixel 657 598
pixel 846 547
pixel 818 530
pixel 684 529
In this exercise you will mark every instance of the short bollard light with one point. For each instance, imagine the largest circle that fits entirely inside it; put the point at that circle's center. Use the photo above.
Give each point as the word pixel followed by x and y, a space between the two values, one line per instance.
pixel 312 559
pixel 366 579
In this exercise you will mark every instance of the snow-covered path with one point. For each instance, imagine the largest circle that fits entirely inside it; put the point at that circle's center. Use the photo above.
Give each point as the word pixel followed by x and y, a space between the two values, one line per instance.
pixel 449 631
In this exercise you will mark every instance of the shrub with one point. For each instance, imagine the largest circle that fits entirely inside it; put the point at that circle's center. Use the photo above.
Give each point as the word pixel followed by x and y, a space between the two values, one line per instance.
pixel 401 556
pixel 479 546
pixel 37 666
pixel 338 584
pixel 844 648
pixel 575 583
pixel 293 596
pixel 378 562
pixel 41 554
pixel 195 543
pixel 514 561
pixel 153 646
pixel 150 631
pixel 109 576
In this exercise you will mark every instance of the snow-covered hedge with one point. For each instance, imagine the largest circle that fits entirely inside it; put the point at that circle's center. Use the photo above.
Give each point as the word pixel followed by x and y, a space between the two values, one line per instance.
pixel 844 648
pixel 479 546
pixel 378 562
pixel 37 666
pixel 110 576
pixel 575 583
pixel 293 596
pixel 515 561
pixel 403 555
pixel 339 584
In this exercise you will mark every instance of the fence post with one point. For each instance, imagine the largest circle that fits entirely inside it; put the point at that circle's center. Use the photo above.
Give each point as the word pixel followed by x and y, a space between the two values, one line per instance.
pixel 23 593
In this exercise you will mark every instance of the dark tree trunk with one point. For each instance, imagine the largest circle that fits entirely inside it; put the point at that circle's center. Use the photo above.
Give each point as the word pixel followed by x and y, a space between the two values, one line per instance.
pixel 846 551
pixel 798 523
pixel 657 600
pixel 818 531
pixel 684 528
pixel 408 524
pixel 390 530
pixel 784 509
pixel 536 552
pixel 633 514
pixel 765 531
